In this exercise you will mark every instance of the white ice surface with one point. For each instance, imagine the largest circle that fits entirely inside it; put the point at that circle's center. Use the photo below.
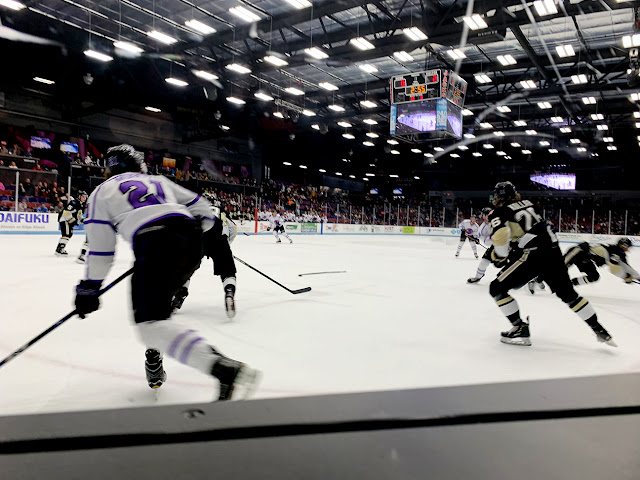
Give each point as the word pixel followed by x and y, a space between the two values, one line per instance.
pixel 402 316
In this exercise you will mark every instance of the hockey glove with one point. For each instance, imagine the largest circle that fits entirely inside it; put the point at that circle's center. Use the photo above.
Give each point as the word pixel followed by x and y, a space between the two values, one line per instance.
pixel 87 297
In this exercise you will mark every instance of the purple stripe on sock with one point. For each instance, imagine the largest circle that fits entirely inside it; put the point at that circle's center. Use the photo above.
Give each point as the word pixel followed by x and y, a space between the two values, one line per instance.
pixel 185 353
pixel 102 254
pixel 176 342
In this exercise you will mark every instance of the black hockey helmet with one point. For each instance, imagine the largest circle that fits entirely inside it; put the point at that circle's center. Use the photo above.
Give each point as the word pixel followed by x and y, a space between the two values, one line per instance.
pixel 125 158
pixel 504 190
pixel 624 242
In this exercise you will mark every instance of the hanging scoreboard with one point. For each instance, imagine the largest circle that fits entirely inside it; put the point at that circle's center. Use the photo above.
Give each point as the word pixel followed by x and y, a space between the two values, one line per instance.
pixel 428 85
pixel 415 87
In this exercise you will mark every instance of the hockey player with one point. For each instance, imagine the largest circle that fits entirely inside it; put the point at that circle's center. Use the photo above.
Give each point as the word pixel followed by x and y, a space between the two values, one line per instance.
pixel 277 224
pixel 217 242
pixel 525 247
pixel 469 230
pixel 69 217
pixel 484 236
pixel 587 257
pixel 155 215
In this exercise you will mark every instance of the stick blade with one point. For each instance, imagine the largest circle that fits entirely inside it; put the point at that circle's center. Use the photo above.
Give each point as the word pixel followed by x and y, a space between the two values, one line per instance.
pixel 301 290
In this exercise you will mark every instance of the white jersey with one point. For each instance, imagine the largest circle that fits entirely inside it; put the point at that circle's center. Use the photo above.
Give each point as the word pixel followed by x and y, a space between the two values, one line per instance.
pixel 484 233
pixel 470 229
pixel 275 221
pixel 128 202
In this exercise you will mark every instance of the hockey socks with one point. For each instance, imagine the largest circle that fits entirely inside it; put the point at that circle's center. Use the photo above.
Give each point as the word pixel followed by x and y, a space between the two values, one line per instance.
pixel 585 311
pixel 229 285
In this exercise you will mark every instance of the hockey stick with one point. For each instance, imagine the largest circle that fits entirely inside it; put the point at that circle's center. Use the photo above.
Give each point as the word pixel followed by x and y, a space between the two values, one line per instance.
pixel 320 273
pixel 295 292
pixel 62 320
pixel 476 242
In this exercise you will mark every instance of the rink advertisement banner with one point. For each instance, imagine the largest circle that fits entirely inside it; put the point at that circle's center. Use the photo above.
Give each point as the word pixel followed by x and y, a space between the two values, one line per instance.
pixel 309 228
pixel 28 222
pixel 408 229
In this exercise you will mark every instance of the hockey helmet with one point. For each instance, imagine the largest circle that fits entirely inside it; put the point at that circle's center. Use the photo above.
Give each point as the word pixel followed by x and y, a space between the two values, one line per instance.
pixel 125 158
pixel 486 211
pixel 624 242
pixel 504 190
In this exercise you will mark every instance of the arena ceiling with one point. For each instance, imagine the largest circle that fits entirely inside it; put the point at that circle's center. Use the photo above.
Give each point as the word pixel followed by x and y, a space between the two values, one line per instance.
pixel 590 91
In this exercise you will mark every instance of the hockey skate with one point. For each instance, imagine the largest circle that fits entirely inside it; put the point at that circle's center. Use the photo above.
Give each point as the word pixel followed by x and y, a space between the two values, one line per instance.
pixel 278 241
pixel 156 375
pixel 237 380
pixel 290 241
pixel 178 300
pixel 457 254
pixel 476 255
pixel 81 259
pixel 603 336
pixel 474 279
pixel 518 335
pixel 60 251
pixel 229 301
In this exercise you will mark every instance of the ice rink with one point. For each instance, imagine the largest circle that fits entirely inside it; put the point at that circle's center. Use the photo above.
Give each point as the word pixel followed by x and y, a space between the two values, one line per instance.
pixel 402 316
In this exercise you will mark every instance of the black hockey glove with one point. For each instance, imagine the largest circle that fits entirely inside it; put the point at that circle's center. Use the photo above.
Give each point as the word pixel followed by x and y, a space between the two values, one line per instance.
pixel 498 261
pixel 87 297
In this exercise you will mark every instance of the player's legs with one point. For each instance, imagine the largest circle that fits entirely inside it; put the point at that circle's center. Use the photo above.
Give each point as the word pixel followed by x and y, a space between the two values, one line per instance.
pixel 156 279
pixel 482 266
pixel 590 270
pixel 66 232
pixel 463 238
pixel 83 252
pixel 225 268
pixel 555 273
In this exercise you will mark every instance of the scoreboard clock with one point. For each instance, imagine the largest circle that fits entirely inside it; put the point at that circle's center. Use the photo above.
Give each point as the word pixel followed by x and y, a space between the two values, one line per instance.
pixel 456 89
pixel 415 87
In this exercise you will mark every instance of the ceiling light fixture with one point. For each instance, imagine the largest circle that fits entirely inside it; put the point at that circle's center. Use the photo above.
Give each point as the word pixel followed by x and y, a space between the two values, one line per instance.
pixel 565 129
pixel 244 14
pixel 499 134
pixel 368 143
pixel 553 150
pixel 545 7
pixel 336 108
pixel 476 154
pixel 507 60
pixel 466 112
pixel 362 43
pixel 556 119
pixel 372 135
pixel 348 136
pixel 263 96
pixel 44 80
pixel 129 47
pixel 392 142
pixel 565 51
pixel 299 4
pixel 475 22
pixel 370 121
pixel 579 79
pixel 403 56
pixel 315 52
pixel 328 86
pixel 367 67
pixel 456 54
pixel 597 116
pixel 415 34
pixel 294 91
pixel 589 100
pixel 12 4
pixel 530 132
pixel 236 100
pixel 345 124
pixel 176 81
pixel 308 113
pixel 544 105
pixel 515 144
pixel 278 114
pixel 153 109
pixel 629 41
pixel 200 27
pixel 527 84
pixel 162 37
pixel 504 109
pixel 602 127
pixel 98 56
pixel 235 67
pixel 368 104
pixel 206 75
pixel 277 61
pixel 526 152
pixel 482 78
pixel 520 123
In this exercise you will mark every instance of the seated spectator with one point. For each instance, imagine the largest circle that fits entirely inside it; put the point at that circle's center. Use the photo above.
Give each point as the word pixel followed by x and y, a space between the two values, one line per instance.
pixel 1 185
pixel 13 165
pixel 42 208
pixel 3 148
pixel 16 150
pixel 26 188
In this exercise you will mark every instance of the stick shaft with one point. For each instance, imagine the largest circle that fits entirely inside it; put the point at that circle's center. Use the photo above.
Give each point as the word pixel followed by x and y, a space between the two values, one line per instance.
pixel 306 289
pixel 61 321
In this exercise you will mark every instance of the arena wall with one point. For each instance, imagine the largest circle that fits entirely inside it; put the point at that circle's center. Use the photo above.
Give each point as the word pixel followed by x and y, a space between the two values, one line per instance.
pixel 47 223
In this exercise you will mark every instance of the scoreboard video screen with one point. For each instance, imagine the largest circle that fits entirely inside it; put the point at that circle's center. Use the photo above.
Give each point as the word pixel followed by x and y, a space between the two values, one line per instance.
pixel 415 87
pixel 428 85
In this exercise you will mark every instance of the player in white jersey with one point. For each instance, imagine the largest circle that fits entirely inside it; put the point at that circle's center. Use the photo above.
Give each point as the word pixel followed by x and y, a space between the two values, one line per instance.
pixel 277 224
pixel 164 224
pixel 484 237
pixel 469 230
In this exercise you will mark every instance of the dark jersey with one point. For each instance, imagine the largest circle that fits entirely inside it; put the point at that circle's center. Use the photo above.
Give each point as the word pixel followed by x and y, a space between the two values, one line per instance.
pixel 72 213
pixel 519 222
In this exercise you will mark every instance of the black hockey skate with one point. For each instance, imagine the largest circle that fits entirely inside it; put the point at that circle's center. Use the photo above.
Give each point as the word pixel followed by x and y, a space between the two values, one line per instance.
pixel 278 241
pixel 474 279
pixel 290 241
pixel 229 300
pixel 602 335
pixel 156 375
pixel 81 259
pixel 60 251
pixel 178 300
pixel 237 380
pixel 518 335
